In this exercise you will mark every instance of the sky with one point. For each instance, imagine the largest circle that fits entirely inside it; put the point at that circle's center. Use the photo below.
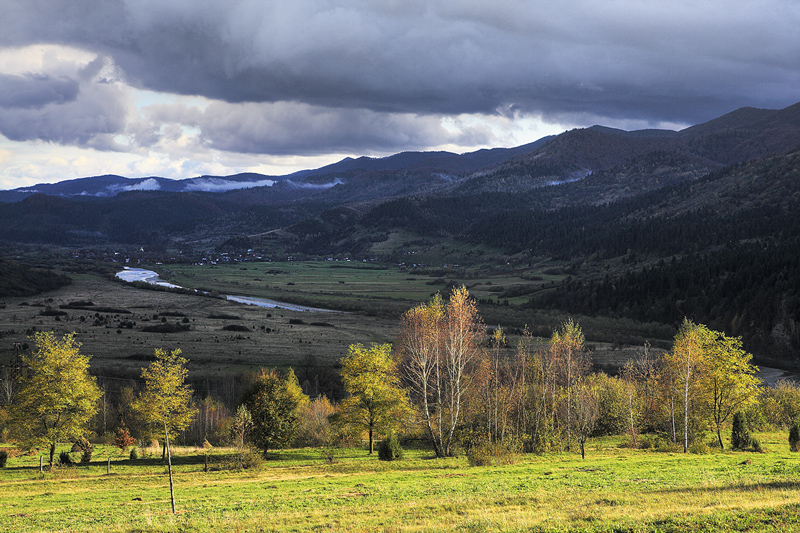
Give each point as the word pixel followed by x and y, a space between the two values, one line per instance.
pixel 182 88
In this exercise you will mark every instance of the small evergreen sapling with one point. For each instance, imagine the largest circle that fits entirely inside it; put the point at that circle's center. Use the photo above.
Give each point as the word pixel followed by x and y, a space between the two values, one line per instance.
pixel 740 433
pixel 794 436
pixel 390 449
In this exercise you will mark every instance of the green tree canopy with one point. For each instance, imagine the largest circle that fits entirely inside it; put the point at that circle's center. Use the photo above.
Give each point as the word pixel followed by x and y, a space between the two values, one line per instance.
pixel 57 397
pixel 273 402
pixel 166 399
pixel 376 402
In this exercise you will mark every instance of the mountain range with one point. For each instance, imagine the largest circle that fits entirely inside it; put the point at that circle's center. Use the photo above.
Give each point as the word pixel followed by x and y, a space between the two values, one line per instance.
pixel 648 208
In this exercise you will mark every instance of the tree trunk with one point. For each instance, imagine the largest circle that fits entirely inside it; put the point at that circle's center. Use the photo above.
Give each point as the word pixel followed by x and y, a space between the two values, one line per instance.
pixel 169 468
pixel 583 451
pixel 370 440
pixel 52 453
pixel 719 437
pixel 672 417
pixel 686 405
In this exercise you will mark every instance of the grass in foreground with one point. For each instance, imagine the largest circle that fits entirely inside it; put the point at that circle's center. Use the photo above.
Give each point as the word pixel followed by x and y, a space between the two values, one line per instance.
pixel 612 490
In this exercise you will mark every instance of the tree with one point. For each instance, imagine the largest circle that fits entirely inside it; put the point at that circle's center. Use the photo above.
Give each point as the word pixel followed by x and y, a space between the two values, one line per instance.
pixel 123 439
pixel 686 357
pixel 57 397
pixel 314 425
pixel 586 411
pixel 728 379
pixel 794 436
pixel 273 402
pixel 567 349
pixel 241 426
pixel 439 342
pixel 166 400
pixel 376 403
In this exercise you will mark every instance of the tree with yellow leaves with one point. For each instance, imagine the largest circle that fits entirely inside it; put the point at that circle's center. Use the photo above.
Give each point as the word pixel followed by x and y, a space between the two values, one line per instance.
pixel 57 397
pixel 728 379
pixel 714 373
pixel 439 343
pixel 166 400
pixel 376 403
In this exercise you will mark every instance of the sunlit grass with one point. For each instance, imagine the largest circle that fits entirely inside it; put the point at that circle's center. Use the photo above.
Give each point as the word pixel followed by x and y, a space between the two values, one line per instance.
pixel 297 490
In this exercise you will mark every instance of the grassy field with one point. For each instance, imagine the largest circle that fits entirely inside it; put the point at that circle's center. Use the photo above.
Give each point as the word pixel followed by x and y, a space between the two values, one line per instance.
pixel 120 347
pixel 274 337
pixel 345 283
pixel 614 489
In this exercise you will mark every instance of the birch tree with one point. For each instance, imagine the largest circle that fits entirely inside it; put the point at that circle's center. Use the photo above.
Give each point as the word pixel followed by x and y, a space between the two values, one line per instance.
pixel 440 342
pixel 686 359
pixel 728 380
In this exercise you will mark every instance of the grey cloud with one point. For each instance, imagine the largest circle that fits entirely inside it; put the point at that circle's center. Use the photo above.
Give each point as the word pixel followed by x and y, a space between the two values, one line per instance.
pixel 35 90
pixel 639 60
pixel 286 128
pixel 91 118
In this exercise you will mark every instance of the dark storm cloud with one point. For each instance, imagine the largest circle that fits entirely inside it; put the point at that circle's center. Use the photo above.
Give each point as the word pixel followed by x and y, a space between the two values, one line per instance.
pixel 34 91
pixel 61 110
pixel 287 128
pixel 646 61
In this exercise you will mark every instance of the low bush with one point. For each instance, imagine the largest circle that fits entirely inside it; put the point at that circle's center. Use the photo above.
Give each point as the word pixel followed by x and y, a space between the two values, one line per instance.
pixel 740 434
pixel 389 449
pixel 794 436
pixel 134 455
pixel 3 458
pixel 85 447
pixel 699 448
pixel 492 453
pixel 235 327
pixel 64 459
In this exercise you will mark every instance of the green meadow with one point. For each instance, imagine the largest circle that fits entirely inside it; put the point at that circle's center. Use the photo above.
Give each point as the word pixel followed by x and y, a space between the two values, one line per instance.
pixel 613 489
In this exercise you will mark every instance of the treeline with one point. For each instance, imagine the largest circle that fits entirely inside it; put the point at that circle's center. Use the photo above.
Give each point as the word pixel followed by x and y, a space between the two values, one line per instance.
pixel 448 381
pixel 750 290
pixel 22 280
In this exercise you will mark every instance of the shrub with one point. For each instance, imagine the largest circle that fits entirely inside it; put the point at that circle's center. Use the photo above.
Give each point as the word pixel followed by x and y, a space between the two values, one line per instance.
pixel 134 455
pixel 486 454
pixel 756 445
pixel 390 449
pixel 794 436
pixel 235 327
pixel 3 458
pixel 700 448
pixel 123 439
pixel 648 442
pixel 85 447
pixel 740 434
pixel 252 459
pixel 64 458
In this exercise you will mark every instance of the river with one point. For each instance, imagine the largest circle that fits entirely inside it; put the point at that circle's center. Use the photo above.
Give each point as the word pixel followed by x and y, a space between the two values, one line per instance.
pixel 151 277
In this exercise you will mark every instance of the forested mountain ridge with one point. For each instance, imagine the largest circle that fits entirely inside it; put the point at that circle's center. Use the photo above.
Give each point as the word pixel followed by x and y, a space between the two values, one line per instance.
pixel 584 166
pixel 637 217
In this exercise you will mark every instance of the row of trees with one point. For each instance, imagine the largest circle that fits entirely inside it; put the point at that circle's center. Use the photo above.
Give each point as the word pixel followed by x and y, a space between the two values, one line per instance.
pixel 447 381
pixel 55 397
pixel 544 396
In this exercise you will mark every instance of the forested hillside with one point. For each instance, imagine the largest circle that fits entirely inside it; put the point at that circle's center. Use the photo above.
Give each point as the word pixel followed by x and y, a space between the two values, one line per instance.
pixel 21 280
